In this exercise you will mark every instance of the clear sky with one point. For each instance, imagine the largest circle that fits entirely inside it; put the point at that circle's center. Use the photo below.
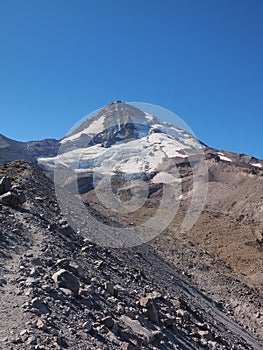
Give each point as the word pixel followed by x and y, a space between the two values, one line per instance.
pixel 201 59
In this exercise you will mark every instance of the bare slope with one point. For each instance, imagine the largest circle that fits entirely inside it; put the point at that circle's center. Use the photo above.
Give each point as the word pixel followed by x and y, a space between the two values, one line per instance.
pixel 109 311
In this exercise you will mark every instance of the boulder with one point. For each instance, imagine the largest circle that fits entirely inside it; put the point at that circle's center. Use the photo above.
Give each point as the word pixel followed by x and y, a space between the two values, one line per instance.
pixel 148 335
pixel 10 199
pixel 5 185
pixel 65 279
pixel 108 321
pixel 10 196
pixel 40 306
pixel 109 287
pixel 150 308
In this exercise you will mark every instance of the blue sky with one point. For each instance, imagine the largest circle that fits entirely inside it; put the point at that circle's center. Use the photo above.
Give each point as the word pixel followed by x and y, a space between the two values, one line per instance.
pixel 203 60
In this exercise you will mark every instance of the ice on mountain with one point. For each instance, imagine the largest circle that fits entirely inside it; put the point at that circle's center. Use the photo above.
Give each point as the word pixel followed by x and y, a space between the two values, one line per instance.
pixel 124 139
pixel 223 157
pixel 94 128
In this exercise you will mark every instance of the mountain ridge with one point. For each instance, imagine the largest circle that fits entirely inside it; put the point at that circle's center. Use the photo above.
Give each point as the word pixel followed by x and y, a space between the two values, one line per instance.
pixel 32 150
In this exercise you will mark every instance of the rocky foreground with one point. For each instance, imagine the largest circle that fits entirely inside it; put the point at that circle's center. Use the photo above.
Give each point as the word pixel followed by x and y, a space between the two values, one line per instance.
pixel 58 290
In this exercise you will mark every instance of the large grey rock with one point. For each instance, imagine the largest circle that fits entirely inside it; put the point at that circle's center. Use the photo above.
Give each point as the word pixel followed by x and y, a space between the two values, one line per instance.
pixel 137 328
pixel 65 279
pixel 5 185
pixel 108 321
pixel 10 199
pixel 42 308
pixel 109 287
pixel 10 196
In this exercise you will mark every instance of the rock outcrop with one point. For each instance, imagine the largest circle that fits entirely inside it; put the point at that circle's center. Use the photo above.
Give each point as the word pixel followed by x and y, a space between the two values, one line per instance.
pixel 10 196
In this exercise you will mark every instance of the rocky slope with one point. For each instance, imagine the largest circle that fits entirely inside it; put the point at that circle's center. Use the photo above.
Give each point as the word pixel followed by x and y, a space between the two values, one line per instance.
pixel 59 290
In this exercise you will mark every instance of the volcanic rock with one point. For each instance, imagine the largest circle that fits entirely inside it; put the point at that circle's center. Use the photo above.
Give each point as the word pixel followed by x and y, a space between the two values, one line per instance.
pixel 65 279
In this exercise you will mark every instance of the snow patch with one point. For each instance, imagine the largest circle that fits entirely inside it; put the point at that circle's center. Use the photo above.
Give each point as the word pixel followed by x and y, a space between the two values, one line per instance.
pixel 149 116
pixel 258 165
pixel 95 128
pixel 222 156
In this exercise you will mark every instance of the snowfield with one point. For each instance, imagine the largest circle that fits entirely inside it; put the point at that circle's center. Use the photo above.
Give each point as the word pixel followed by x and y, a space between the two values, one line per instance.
pixel 95 128
pixel 140 155
pixel 123 139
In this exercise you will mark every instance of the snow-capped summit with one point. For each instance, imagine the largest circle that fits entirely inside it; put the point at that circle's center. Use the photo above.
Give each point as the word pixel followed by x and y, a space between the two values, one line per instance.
pixel 112 123
pixel 120 121
pixel 122 138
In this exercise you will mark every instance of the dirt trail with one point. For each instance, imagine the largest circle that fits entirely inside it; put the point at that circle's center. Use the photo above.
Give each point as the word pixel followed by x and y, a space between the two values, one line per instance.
pixel 12 315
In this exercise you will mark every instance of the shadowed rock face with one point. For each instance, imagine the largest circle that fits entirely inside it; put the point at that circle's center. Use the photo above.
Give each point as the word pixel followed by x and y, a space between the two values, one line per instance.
pixel 5 185
pixel 11 150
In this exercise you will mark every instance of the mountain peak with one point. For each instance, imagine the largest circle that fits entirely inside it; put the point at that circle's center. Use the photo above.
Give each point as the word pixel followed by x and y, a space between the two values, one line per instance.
pixel 120 122
pixel 113 116
pixel 135 141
